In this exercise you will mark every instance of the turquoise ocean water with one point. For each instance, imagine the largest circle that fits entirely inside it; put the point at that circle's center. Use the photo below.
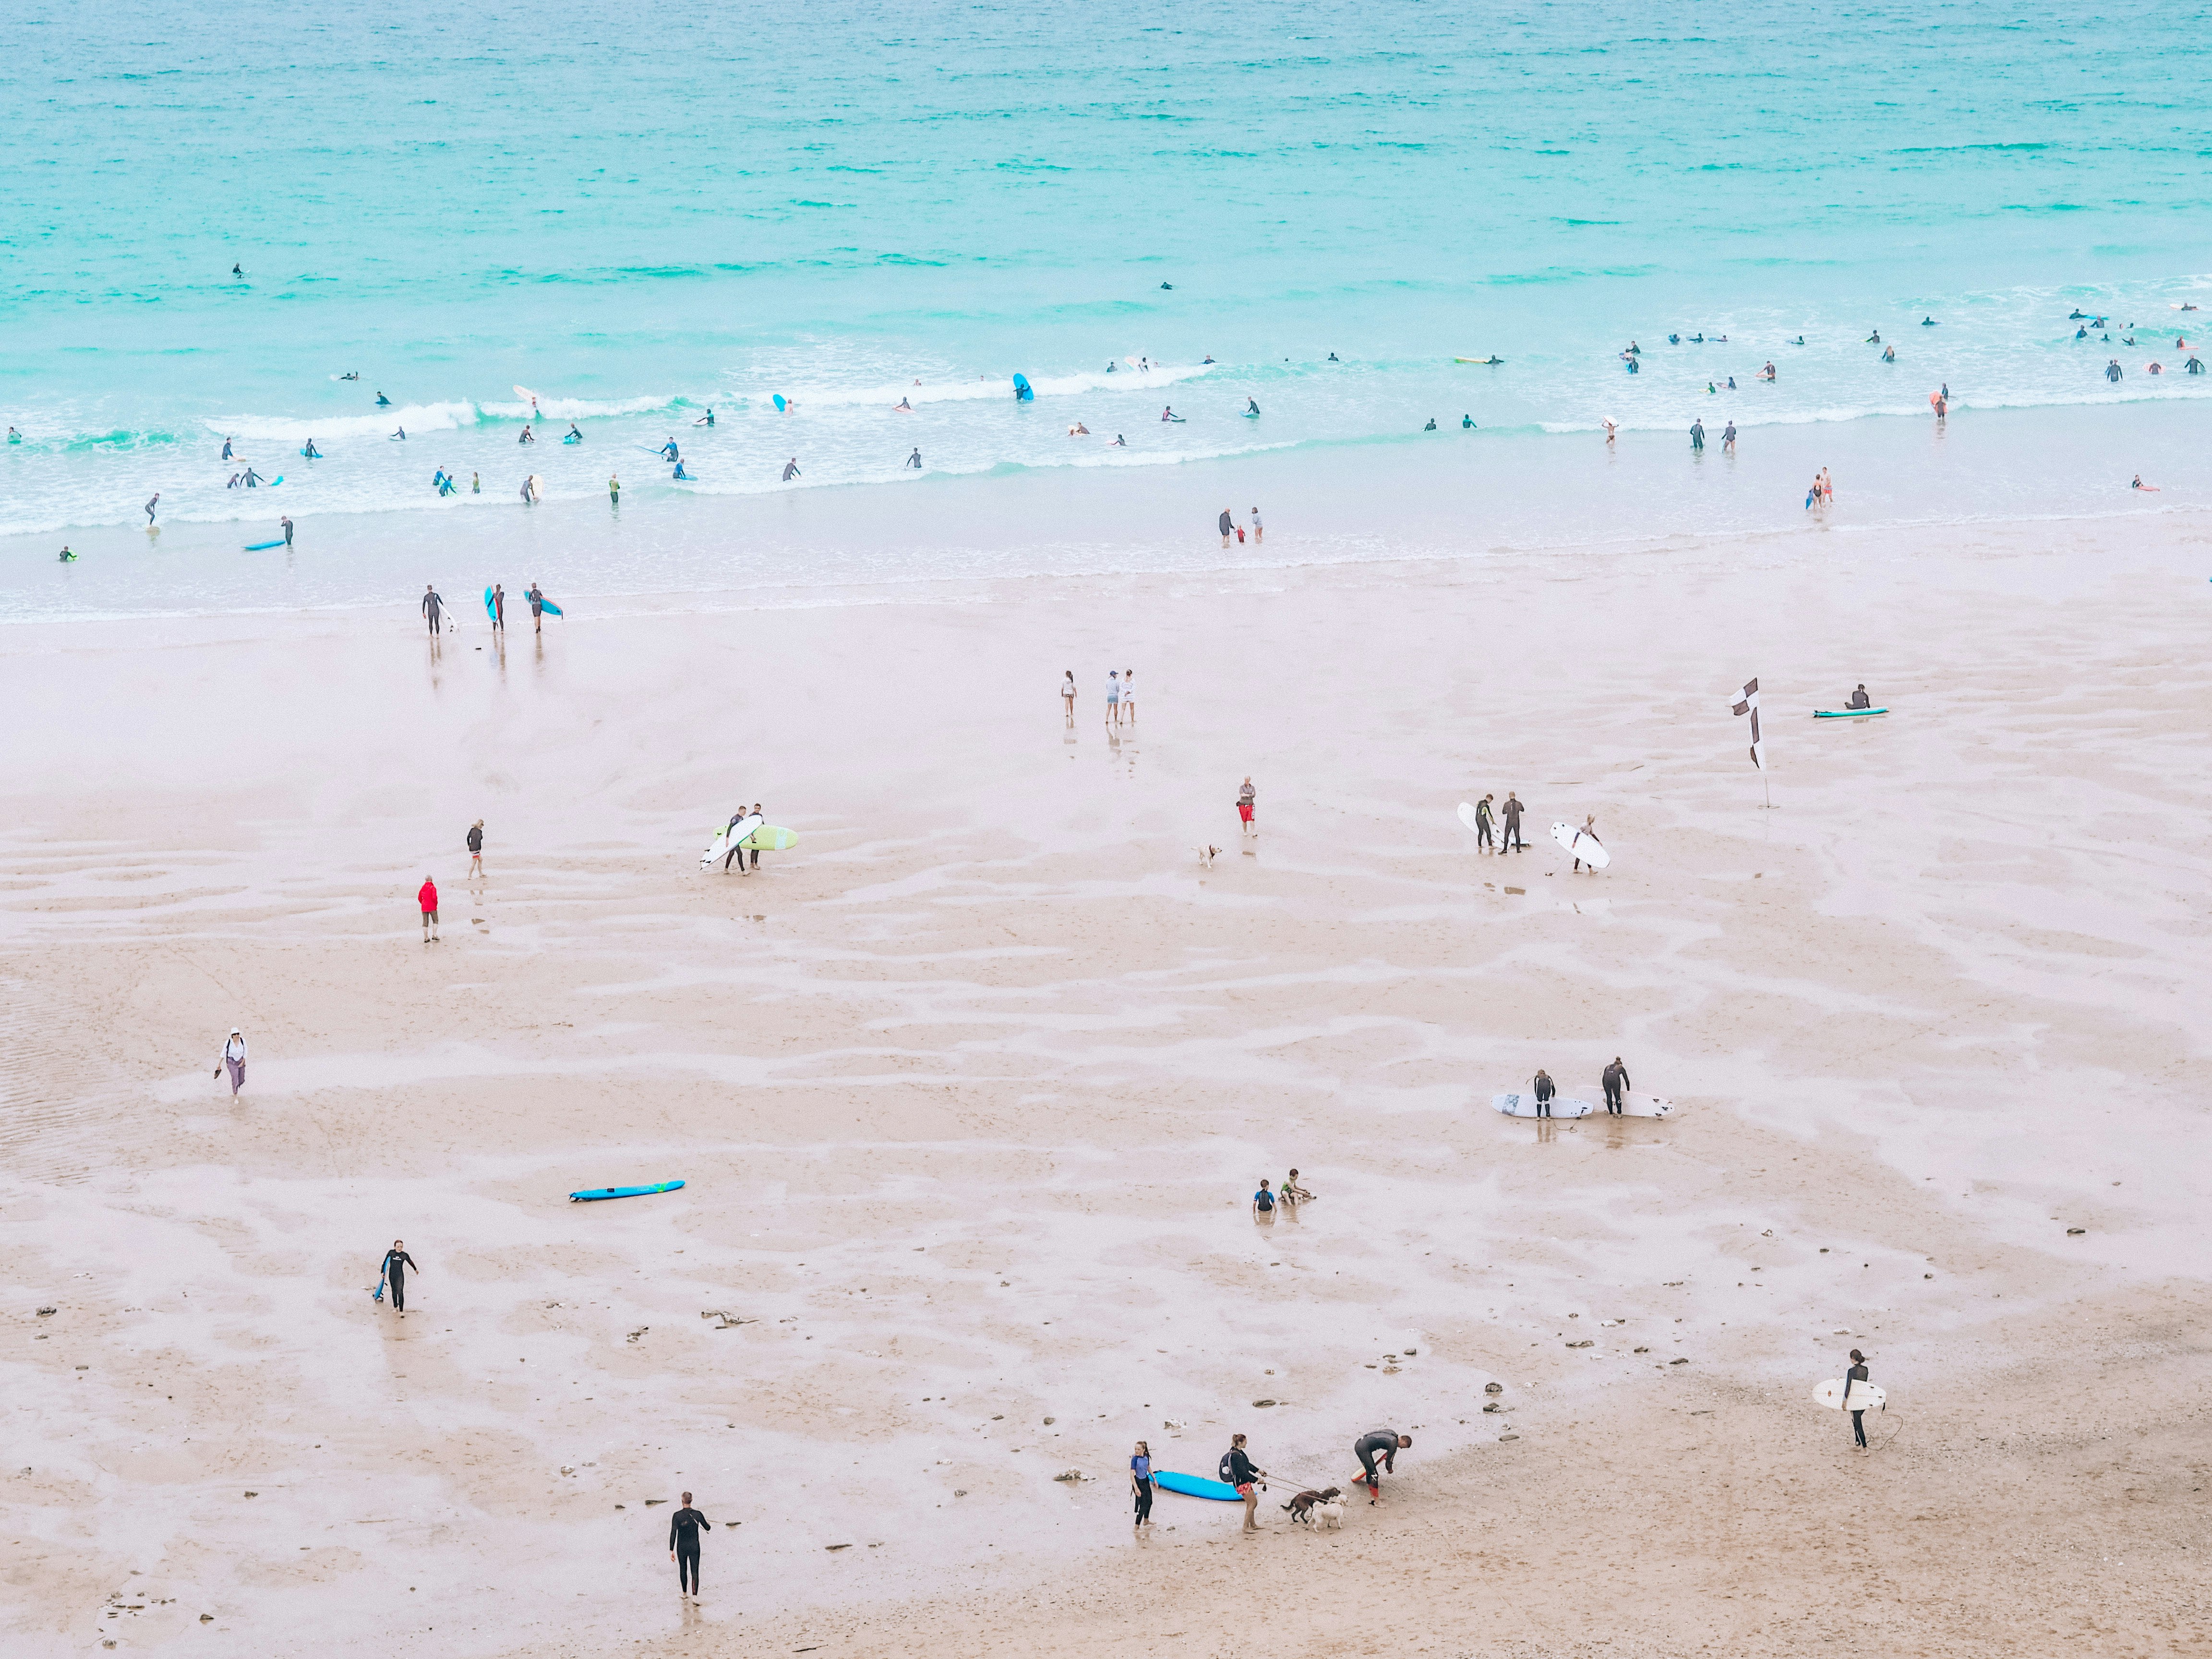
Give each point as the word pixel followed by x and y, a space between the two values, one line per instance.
pixel 639 215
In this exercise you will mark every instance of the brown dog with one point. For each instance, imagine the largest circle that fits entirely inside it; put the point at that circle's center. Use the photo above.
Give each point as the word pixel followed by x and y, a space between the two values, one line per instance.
pixel 1300 1507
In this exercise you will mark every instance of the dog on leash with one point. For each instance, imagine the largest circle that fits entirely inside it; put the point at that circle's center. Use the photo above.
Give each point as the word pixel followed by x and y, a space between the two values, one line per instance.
pixel 1331 1514
pixel 1302 1506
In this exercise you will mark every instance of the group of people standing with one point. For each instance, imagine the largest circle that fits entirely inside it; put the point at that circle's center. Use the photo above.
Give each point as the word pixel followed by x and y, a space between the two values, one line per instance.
pixel 1121 696
pixel 1237 1469
pixel 1498 827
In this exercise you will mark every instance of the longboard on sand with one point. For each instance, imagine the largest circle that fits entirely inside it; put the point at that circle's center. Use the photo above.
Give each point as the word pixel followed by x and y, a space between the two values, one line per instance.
pixel 1633 1104
pixel 1846 714
pixel 1193 1486
pixel 727 837
pixel 592 1194
pixel 1583 846
pixel 1524 1105
pixel 1865 1397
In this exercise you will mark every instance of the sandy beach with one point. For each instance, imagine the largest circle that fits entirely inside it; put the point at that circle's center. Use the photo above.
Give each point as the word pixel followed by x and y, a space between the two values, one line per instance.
pixel 970 1090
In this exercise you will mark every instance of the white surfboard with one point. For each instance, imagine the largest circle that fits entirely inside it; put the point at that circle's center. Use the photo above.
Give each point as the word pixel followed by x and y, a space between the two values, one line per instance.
pixel 727 837
pixel 1524 1105
pixel 1466 816
pixel 1633 1104
pixel 1587 847
pixel 1865 1397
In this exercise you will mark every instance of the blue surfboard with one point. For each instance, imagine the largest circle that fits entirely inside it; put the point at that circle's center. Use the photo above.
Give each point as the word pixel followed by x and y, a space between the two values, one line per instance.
pixel 490 610
pixel 779 403
pixel 1192 1486
pixel 549 607
pixel 1022 392
pixel 592 1194
pixel 258 547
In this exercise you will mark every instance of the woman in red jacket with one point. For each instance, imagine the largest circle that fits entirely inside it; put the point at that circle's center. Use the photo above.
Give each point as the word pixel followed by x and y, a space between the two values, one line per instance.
pixel 428 899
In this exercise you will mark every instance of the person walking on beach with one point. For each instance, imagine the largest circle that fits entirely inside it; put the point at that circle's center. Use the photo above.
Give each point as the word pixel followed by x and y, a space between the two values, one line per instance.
pixel 1852 1377
pixel 1256 526
pixel 1237 1470
pixel 1512 809
pixel 1140 1482
pixel 1386 1443
pixel 397 1262
pixel 1228 527
pixel 1067 696
pixel 1482 836
pixel 1129 694
pixel 1544 1089
pixel 1588 829
pixel 537 609
pixel 427 897
pixel 1728 439
pixel 1112 696
pixel 683 1529
pixel 1697 437
pixel 1247 798
pixel 1827 488
pixel 286 522
pixel 476 848
pixel 432 605
pixel 498 608
pixel 233 1058
pixel 1615 1079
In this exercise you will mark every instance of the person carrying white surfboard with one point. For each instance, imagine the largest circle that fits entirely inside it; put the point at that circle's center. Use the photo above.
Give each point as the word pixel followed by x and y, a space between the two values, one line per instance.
pixel 1615 1079
pixel 1589 831
pixel 1857 1374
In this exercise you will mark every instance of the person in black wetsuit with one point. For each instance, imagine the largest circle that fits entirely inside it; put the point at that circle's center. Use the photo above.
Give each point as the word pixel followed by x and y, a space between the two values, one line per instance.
pixel 1856 1374
pixel 683 1529
pixel 1510 814
pixel 1615 1079
pixel 1860 700
pixel 397 1262
pixel 1386 1443
pixel 432 605
pixel 1543 1088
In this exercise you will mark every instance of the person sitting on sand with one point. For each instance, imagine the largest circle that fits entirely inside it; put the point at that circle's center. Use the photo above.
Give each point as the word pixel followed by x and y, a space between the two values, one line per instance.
pixel 1291 1192
pixel 1859 698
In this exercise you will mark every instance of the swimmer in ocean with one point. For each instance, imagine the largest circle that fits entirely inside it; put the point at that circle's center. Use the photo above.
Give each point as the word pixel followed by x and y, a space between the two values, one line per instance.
pixel 1079 430
pixel 383 402
pixel 235 272
pixel 1697 339
pixel 1120 442
pixel 2081 333
pixel 1799 341
pixel 1466 423
pixel 1109 365
pixel 1333 358
pixel 914 459
pixel 14 436
pixel 1673 339
pixel 1731 385
pixel 1874 338
pixel 1927 322
pixel 1431 426
pixel 1611 430
pixel 2140 484
pixel 68 557
pixel 1209 358
pixel 1889 354
pixel 573 433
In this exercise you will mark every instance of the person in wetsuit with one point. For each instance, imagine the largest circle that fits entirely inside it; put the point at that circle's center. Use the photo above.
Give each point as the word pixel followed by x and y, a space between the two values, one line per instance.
pixel 1615 1079
pixel 1860 700
pixel 683 1529
pixel 1510 813
pixel 397 1262
pixel 1857 1374
pixel 1543 1088
pixel 1386 1443
pixel 431 606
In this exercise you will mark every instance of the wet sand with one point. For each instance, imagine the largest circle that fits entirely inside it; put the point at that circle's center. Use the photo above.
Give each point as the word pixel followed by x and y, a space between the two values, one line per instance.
pixel 970 1090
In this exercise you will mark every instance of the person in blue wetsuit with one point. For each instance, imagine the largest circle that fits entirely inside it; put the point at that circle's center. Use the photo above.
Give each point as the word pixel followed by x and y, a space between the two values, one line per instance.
pixel 574 435
pixel 1697 436
pixel 668 451
pixel 383 402
pixel 680 473
pixel 1251 406
pixel 1466 423
pixel 914 460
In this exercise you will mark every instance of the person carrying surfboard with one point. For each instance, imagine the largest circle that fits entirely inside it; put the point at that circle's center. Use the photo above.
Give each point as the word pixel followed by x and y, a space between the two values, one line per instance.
pixel 1856 1374
pixel 397 1262
pixel 537 609
pixel 1483 837
pixel 1589 831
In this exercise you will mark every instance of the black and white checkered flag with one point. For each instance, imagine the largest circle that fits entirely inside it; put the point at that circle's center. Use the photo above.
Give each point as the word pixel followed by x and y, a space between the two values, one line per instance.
pixel 1749 705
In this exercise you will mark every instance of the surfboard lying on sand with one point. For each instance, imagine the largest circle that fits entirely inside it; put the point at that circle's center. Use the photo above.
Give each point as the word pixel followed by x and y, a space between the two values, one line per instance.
pixel 1865 1397
pixel 771 838
pixel 1524 1105
pixel 1587 847
pixel 1846 714
pixel 726 838
pixel 1192 1486
pixel 1633 1104
pixel 592 1194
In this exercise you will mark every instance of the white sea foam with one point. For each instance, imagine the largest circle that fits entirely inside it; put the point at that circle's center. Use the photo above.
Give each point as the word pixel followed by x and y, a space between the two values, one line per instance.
pixel 414 418
pixel 578 409
pixel 997 388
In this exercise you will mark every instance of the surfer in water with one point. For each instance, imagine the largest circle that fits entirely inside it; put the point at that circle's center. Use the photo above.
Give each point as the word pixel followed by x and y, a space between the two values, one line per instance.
pixel 680 473
pixel 707 419
pixel 668 451
pixel 151 504
pixel 574 435
pixel 914 459
pixel 68 557
pixel 1168 414
pixel 398 437
pixel 683 1529
pixel 1856 1374
pixel 1728 438
pixel 1697 433
pixel 528 436
pixel 791 470
pixel 383 402
pixel 286 520
pixel 1251 406
pixel 226 447
pixel 353 375
pixel 1431 426
pixel 903 407
pixel 614 489
pixel 235 272
pixel 1120 442
pixel 310 452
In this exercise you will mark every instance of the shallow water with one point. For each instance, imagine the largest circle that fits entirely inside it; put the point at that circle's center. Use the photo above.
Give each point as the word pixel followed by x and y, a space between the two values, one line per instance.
pixel 847 205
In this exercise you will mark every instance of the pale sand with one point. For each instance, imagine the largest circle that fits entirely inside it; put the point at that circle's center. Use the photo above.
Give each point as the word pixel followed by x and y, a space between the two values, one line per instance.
pixel 971 1089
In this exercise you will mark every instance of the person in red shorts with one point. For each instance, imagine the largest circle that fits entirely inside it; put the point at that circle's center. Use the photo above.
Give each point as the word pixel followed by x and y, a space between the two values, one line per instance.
pixel 1246 799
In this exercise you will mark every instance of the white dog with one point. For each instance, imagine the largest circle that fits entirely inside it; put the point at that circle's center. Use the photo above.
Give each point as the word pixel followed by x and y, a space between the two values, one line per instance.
pixel 1331 1514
